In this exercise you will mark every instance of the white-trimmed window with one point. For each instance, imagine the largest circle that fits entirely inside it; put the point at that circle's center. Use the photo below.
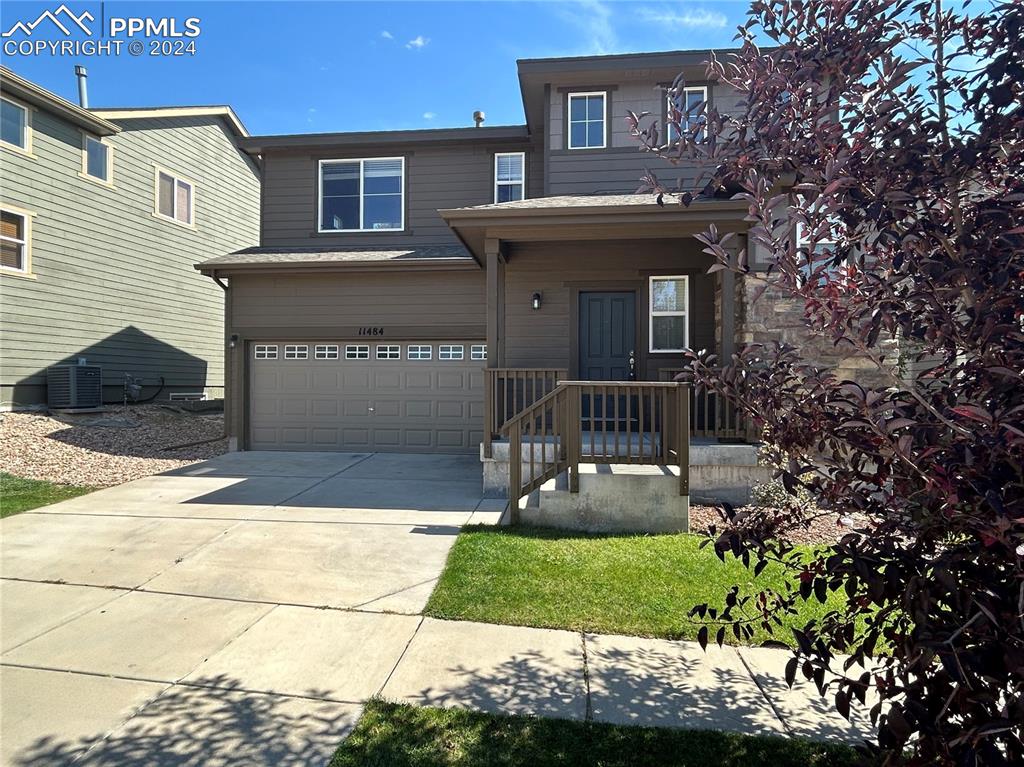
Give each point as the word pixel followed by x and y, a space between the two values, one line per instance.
pixel 366 195
pixel 451 352
pixel 509 176
pixel 265 351
pixel 96 159
pixel 175 197
pixel 15 228
pixel 416 352
pixel 296 352
pixel 587 127
pixel 389 352
pixel 15 130
pixel 478 352
pixel 325 352
pixel 684 109
pixel 669 313
pixel 357 352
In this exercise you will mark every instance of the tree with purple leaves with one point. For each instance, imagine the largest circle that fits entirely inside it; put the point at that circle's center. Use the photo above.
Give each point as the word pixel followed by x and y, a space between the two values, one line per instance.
pixel 880 147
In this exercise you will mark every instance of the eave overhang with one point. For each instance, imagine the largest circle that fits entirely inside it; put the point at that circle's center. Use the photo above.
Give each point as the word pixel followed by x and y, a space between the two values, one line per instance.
pixel 474 226
pixel 338 267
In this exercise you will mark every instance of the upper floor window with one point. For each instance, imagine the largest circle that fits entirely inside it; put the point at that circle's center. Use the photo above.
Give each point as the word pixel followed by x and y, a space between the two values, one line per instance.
pixel 96 159
pixel 587 120
pixel 14 240
pixel 362 195
pixel 684 110
pixel 669 310
pixel 14 130
pixel 509 176
pixel 174 197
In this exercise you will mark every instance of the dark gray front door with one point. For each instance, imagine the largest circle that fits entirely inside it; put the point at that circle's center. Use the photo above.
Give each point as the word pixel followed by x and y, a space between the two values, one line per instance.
pixel 607 335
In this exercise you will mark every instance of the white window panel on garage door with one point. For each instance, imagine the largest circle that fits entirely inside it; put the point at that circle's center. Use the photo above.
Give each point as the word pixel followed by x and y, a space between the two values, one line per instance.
pixel 373 403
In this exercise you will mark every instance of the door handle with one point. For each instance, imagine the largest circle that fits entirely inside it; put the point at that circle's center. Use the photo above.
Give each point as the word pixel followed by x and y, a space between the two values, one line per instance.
pixel 632 364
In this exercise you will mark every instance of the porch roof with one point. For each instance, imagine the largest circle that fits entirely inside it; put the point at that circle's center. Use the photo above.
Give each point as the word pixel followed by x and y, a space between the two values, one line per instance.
pixel 590 217
pixel 356 257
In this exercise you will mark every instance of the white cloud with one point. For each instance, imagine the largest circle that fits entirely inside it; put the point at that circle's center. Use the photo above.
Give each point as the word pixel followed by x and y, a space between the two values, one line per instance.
pixel 594 19
pixel 387 35
pixel 429 115
pixel 417 43
pixel 685 18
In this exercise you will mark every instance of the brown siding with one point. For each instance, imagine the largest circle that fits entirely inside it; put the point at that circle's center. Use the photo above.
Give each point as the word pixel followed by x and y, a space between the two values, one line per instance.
pixel 544 338
pixel 436 177
pixel 431 302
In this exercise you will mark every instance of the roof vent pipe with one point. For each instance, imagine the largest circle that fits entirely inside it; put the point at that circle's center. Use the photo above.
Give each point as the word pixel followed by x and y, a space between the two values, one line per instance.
pixel 478 118
pixel 83 91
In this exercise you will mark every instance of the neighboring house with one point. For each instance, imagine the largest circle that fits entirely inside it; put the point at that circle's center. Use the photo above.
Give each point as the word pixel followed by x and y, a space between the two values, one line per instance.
pixel 104 212
pixel 393 267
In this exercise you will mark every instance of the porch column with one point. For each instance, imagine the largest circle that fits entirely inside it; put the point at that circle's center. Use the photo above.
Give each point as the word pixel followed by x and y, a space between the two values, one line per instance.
pixel 495 303
pixel 727 303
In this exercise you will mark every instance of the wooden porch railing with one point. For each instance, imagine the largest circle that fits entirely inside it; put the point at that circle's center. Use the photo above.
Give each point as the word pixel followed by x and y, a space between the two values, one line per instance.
pixel 509 391
pixel 632 422
pixel 712 416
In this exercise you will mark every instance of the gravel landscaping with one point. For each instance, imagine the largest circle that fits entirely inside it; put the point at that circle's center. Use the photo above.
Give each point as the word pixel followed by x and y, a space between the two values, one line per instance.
pixel 824 529
pixel 108 448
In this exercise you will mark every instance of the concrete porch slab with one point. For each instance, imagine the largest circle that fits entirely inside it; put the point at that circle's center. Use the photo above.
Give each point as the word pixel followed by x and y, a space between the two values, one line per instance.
pixel 98 550
pixel 189 727
pixel 322 654
pixel 154 637
pixel 53 717
pixel 28 609
pixel 655 682
pixel 335 565
pixel 501 669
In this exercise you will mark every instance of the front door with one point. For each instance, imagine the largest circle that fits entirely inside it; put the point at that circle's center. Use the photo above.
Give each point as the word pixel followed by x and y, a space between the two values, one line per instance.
pixel 607 336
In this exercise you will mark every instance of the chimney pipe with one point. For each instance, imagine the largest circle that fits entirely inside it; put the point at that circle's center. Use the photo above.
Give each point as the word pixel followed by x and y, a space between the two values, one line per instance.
pixel 478 118
pixel 83 90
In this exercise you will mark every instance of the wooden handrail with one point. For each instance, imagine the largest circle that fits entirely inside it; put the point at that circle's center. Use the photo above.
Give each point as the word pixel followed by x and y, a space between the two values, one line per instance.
pixel 507 391
pixel 610 422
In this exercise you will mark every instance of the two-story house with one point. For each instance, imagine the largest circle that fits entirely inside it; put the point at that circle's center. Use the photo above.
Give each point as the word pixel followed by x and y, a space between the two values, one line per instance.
pixel 394 267
pixel 104 213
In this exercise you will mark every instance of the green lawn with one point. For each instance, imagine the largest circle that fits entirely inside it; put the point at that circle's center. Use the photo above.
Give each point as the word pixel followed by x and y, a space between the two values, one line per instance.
pixel 642 585
pixel 17 494
pixel 392 735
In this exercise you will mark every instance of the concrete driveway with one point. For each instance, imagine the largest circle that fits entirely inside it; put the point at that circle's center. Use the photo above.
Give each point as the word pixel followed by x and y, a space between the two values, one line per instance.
pixel 180 619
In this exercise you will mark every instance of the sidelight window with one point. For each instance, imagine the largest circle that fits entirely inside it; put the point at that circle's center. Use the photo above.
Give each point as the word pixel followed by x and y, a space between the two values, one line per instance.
pixel 669 314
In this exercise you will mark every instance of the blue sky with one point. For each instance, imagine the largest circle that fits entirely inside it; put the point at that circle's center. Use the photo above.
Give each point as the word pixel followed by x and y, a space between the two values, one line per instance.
pixel 298 67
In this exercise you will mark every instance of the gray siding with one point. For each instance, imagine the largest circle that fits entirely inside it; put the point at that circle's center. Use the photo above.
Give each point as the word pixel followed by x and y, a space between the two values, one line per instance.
pixel 544 338
pixel 110 281
pixel 619 167
pixel 436 177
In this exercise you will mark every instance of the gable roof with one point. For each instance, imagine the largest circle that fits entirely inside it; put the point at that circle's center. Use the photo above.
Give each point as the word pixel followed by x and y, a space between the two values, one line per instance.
pixel 30 93
pixel 226 113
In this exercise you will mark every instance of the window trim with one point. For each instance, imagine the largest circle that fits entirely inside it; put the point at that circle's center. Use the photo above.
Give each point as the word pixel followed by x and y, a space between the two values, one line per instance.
pixel 420 348
pixel 157 170
pixel 521 182
pixel 109 180
pixel 27 149
pixel 453 349
pixel 296 351
pixel 325 352
pixel 26 259
pixel 320 195
pixel 355 351
pixel 651 314
pixel 668 109
pixel 390 349
pixel 478 352
pixel 269 351
pixel 568 118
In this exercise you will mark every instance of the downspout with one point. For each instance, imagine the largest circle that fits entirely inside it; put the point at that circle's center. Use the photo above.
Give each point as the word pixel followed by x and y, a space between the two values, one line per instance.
pixel 229 366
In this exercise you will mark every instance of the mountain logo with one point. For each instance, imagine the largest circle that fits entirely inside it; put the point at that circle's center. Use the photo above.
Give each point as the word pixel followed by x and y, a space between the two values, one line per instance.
pixel 70 20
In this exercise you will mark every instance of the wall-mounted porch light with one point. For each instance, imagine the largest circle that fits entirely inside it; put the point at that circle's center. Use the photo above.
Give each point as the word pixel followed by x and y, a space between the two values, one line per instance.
pixel 233 341
pixel 535 301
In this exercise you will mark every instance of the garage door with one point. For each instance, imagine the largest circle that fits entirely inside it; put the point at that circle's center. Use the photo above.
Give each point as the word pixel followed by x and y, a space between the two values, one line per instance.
pixel 418 396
